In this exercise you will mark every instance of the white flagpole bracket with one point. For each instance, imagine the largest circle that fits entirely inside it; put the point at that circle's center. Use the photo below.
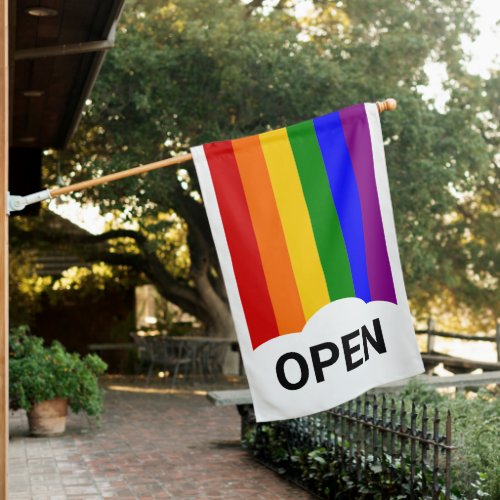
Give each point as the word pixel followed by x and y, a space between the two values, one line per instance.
pixel 16 203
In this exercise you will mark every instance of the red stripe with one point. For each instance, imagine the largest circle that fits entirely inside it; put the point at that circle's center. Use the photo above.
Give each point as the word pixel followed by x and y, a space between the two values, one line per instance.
pixel 242 243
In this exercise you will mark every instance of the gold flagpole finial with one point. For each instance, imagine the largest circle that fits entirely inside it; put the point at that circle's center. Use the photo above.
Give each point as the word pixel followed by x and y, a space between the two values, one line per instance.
pixel 387 105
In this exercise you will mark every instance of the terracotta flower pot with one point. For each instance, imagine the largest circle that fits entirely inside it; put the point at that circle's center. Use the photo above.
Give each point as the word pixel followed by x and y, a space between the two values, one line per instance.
pixel 48 417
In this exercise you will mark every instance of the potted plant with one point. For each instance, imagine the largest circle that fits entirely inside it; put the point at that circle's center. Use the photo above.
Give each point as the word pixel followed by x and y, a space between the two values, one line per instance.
pixel 45 380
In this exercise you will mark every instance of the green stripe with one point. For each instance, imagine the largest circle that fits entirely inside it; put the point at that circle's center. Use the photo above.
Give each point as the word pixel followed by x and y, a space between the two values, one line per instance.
pixel 324 219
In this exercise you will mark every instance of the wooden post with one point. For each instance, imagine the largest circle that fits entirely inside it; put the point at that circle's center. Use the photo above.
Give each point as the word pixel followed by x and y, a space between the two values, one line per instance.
pixel 431 326
pixel 4 248
pixel 498 341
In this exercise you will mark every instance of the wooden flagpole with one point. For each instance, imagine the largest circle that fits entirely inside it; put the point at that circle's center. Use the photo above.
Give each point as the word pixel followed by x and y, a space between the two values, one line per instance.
pixel 387 105
pixel 121 175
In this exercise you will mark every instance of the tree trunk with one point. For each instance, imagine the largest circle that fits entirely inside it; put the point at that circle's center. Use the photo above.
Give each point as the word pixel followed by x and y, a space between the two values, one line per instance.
pixel 221 322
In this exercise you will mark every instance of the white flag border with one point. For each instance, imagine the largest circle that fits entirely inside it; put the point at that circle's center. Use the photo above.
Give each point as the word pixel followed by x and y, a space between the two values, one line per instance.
pixel 218 232
pixel 385 201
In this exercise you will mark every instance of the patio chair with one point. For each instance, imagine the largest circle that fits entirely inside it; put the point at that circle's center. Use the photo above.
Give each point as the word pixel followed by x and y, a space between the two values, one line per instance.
pixel 213 359
pixel 157 351
pixel 174 356
pixel 143 350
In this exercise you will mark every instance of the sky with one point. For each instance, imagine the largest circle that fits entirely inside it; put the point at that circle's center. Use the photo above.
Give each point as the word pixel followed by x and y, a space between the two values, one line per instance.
pixel 483 52
pixel 486 47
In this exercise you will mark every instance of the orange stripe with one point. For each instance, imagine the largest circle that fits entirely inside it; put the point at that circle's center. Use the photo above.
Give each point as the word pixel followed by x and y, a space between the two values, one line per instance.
pixel 269 234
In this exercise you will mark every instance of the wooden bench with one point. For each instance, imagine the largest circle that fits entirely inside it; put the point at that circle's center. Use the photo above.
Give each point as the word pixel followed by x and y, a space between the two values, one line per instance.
pixel 242 398
pixel 230 397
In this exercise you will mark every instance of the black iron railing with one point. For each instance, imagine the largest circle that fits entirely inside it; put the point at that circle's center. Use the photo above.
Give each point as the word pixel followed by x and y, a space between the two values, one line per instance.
pixel 371 445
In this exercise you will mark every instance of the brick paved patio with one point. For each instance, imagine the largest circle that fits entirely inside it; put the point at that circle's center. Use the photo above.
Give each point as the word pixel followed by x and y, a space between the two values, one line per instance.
pixel 150 445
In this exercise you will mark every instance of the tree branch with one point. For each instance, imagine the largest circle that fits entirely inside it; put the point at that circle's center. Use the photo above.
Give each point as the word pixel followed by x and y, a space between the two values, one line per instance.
pixel 135 261
pixel 65 238
pixel 117 233
pixel 171 288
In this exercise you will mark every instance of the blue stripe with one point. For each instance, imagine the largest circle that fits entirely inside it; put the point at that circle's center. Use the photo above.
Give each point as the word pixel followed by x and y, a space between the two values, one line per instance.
pixel 345 196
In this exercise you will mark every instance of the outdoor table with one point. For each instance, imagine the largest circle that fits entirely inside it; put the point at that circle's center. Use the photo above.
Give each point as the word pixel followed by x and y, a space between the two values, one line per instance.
pixel 196 354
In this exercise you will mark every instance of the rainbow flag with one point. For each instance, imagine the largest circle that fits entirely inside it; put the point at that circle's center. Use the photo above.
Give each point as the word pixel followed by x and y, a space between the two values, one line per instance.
pixel 298 224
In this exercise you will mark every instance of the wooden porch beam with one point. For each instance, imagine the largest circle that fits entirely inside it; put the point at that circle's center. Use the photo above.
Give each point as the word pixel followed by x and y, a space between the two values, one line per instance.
pixel 4 248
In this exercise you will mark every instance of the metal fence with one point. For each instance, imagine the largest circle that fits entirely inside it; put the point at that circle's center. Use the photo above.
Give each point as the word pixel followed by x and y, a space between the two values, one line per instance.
pixel 371 440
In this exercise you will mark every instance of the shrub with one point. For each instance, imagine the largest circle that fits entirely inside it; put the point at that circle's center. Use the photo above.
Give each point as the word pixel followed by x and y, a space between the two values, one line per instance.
pixel 38 373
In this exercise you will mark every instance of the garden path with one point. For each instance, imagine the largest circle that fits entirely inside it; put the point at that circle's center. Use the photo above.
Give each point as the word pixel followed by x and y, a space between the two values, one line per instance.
pixel 153 443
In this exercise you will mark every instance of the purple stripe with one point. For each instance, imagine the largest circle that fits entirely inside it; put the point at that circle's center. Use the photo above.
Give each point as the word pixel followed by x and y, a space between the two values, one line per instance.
pixel 357 136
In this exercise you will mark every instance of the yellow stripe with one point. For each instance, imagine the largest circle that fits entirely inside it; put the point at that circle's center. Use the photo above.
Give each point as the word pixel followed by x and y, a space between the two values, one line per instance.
pixel 294 215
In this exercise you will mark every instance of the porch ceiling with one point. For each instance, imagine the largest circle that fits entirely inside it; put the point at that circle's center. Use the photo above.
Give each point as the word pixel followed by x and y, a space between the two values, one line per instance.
pixel 54 62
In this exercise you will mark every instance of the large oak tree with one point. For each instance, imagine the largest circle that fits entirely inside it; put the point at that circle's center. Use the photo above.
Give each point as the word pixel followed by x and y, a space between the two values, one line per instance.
pixel 186 72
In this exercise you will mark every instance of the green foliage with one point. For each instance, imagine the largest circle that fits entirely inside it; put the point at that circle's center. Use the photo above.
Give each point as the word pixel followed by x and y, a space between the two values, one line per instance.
pixel 421 394
pixel 38 373
pixel 25 286
pixel 188 72
pixel 476 434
